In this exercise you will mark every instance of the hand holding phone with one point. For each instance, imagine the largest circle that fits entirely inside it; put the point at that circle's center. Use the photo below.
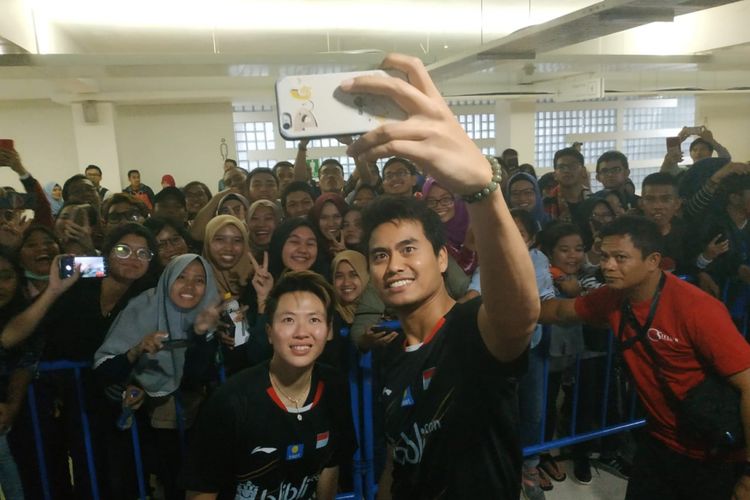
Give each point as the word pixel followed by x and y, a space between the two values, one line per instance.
pixel 311 106
pixel 89 267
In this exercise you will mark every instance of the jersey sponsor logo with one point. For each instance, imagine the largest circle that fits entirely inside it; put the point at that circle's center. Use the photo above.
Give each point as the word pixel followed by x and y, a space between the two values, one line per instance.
pixel 294 451
pixel 321 440
pixel 407 400
pixel 655 335
pixel 286 491
pixel 260 449
pixel 427 377
pixel 411 449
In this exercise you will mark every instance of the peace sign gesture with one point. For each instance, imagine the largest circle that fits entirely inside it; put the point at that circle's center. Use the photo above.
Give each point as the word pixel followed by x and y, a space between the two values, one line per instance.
pixel 262 280
pixel 338 244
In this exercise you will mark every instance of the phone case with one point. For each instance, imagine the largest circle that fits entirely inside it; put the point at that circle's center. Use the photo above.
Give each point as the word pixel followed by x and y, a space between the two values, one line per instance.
pixel 311 106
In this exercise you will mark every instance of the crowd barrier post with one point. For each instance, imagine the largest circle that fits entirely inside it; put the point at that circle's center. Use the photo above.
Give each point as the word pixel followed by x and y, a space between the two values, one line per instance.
pixel 369 441
pixel 353 379
pixel 38 442
pixel 86 433
pixel 138 459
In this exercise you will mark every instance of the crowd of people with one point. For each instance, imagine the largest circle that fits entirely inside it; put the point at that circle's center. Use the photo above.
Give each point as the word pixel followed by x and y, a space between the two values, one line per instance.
pixel 217 327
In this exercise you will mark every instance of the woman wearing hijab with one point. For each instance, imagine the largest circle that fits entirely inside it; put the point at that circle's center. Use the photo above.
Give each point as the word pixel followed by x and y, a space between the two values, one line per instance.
pixel 262 218
pixel 167 181
pixel 226 247
pixel 161 348
pixel 350 277
pixel 523 192
pixel 455 218
pixel 54 196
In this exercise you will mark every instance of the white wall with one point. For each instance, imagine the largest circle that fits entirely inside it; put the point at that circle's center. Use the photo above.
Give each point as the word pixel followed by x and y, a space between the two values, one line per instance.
pixel 43 134
pixel 178 139
pixel 728 117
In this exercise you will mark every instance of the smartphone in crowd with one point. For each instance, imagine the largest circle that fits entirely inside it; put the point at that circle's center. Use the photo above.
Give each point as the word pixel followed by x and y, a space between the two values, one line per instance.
pixel 310 106
pixel 91 267
pixel 697 130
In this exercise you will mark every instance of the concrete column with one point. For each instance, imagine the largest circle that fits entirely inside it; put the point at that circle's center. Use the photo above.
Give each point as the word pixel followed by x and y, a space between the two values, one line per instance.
pixel 96 142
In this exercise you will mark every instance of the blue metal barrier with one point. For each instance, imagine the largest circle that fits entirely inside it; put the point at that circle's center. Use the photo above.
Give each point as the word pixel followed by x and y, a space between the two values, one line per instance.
pixel 362 394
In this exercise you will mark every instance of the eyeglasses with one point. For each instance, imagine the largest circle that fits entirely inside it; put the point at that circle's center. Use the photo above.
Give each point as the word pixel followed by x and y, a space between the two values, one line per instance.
pixel 170 242
pixel 445 201
pixel 398 174
pixel 117 217
pixel 610 171
pixel 123 251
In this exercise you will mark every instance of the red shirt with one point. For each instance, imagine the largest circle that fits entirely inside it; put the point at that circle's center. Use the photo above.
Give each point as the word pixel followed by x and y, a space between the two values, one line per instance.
pixel 689 326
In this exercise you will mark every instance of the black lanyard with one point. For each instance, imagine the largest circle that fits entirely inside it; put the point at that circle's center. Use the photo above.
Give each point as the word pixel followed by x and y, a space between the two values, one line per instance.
pixel 629 316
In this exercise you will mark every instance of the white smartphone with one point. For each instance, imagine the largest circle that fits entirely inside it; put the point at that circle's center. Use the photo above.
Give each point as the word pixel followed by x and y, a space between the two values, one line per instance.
pixel 311 106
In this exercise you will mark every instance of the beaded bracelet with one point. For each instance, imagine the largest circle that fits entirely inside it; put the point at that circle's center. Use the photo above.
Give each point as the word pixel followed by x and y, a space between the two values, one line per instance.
pixel 497 173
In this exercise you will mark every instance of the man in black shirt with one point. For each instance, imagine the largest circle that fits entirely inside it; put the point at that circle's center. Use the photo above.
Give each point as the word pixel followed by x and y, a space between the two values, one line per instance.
pixel 451 420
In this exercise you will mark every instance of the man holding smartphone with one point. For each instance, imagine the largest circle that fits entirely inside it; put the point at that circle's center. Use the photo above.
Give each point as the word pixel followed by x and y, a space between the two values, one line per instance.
pixel 449 399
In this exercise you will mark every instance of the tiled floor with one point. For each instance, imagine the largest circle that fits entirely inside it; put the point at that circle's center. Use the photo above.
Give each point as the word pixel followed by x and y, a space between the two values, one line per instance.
pixel 604 486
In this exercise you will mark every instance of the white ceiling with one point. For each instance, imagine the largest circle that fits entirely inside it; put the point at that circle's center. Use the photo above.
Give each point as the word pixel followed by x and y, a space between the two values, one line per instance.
pixel 143 51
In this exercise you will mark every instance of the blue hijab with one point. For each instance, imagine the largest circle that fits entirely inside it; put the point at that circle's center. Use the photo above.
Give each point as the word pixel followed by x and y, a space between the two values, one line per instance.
pixel 56 205
pixel 538 213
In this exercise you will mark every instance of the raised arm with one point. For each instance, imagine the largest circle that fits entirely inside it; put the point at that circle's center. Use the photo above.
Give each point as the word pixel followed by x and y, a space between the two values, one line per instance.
pixel 300 162
pixel 23 325
pixel 433 138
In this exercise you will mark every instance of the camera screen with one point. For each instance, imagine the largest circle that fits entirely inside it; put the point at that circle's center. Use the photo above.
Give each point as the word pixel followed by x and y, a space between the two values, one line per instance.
pixel 92 267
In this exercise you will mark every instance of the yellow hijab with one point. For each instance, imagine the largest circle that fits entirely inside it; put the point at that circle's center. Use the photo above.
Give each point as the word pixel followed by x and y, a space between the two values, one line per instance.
pixel 359 263
pixel 235 279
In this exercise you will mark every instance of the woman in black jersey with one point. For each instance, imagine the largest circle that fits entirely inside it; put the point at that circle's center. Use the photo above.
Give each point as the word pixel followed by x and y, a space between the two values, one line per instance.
pixel 282 428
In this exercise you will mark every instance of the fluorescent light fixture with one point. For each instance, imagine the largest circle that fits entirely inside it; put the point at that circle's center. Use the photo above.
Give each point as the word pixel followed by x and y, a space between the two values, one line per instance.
pixel 438 17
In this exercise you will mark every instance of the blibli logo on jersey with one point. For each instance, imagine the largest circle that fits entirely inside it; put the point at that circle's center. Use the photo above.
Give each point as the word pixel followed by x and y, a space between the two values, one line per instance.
pixel 294 451
pixel 321 440
pixel 407 400
pixel 427 377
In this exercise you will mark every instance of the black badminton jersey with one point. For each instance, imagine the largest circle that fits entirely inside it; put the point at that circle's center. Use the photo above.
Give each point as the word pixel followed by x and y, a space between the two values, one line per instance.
pixel 246 444
pixel 451 414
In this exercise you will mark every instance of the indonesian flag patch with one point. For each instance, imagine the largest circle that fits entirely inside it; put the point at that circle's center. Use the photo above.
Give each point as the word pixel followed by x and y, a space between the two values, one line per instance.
pixel 427 377
pixel 321 440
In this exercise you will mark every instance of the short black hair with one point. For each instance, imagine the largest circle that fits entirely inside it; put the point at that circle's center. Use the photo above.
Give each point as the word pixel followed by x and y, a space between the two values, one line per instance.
pixel 547 181
pixel 233 162
pixel 386 208
pixel 71 180
pixel 201 185
pixel 134 171
pixel 612 156
pixel 660 179
pixel 92 214
pixel 302 281
pixel 331 161
pixel 170 192
pixel 124 198
pixel 509 151
pixel 397 159
pixel 111 239
pixel 700 141
pixel 568 152
pixel 280 164
pixel 644 233
pixel 260 170
pixel 157 224
pixel 527 220
pixel 93 167
pixel 554 232
pixel 293 187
